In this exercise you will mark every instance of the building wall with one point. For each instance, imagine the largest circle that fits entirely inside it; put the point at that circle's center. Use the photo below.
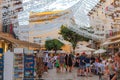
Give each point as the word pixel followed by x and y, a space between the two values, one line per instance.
pixel 10 14
pixel 40 32
pixel 0 16
pixel 98 20
pixel 102 18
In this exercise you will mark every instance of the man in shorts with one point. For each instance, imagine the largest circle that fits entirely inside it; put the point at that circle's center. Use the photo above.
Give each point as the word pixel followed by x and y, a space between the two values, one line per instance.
pixel 82 64
pixel 62 62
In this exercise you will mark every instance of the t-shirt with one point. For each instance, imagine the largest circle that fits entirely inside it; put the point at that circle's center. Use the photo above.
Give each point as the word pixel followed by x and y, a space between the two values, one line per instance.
pixel 45 59
pixel 57 63
pixel 87 60
pixel 82 59
pixel 62 59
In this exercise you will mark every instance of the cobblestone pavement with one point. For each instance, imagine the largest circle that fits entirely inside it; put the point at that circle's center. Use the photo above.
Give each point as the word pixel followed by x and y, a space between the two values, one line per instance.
pixel 52 75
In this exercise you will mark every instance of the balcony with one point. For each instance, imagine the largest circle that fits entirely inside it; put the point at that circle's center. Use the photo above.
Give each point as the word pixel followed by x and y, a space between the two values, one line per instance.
pixel 113 35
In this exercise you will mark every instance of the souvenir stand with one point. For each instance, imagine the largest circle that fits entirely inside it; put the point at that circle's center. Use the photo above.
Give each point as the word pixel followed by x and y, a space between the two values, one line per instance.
pixel 18 64
pixel 1 64
pixel 29 63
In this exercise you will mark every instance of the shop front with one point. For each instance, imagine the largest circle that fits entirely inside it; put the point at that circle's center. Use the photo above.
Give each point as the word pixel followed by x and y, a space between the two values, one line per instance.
pixel 7 42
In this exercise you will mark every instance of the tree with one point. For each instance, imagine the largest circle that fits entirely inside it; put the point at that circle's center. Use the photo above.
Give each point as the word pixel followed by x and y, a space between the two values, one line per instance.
pixel 53 44
pixel 71 36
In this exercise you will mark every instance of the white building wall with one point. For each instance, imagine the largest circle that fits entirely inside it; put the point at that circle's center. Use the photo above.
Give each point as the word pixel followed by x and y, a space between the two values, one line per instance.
pixel 40 32
pixel 99 21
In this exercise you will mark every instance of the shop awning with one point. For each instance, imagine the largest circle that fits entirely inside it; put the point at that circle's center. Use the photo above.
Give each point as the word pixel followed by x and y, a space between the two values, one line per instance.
pixel 18 43
pixel 114 37
pixel 110 42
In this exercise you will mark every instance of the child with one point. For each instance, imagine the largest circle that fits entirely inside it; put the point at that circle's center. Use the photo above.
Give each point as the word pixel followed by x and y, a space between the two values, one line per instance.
pixel 57 66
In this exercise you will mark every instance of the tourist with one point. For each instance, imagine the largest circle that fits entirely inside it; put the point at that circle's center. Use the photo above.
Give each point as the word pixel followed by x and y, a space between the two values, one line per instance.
pixel 106 73
pixel 45 60
pixel 111 67
pixel 117 75
pixel 70 62
pixel 100 73
pixel 77 60
pixel 82 65
pixel 87 61
pixel 57 65
pixel 66 61
pixel 62 62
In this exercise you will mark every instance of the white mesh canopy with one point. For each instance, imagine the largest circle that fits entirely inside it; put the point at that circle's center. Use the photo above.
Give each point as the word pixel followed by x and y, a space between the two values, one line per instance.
pixel 80 8
pixel 78 12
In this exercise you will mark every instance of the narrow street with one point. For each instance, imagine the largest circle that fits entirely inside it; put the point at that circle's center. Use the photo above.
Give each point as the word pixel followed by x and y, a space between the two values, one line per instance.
pixel 52 75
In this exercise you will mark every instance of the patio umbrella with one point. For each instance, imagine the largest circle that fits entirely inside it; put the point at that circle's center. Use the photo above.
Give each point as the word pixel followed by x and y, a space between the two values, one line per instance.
pixel 100 51
pixel 51 51
pixel 61 51
pixel 84 48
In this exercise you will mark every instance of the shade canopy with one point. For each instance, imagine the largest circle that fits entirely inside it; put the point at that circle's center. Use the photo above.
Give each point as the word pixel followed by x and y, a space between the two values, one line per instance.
pixel 99 51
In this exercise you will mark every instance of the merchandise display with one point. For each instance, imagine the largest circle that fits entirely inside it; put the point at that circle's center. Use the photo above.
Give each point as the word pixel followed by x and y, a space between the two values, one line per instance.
pixel 18 66
pixel 29 66
pixel 1 64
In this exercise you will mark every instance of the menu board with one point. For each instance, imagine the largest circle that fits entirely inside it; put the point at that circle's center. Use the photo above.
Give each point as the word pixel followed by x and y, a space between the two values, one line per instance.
pixel 1 64
pixel 28 66
pixel 18 66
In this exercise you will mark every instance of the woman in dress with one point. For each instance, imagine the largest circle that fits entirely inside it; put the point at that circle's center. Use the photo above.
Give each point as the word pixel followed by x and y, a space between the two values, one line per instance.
pixel 70 62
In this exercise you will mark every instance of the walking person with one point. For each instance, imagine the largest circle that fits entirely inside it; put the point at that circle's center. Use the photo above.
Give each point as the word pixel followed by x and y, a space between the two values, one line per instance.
pixel 111 68
pixel 45 60
pixel 66 62
pixel 100 73
pixel 70 62
pixel 77 60
pixel 62 62
pixel 82 65
pixel 57 65
pixel 106 73
pixel 117 74
pixel 88 68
